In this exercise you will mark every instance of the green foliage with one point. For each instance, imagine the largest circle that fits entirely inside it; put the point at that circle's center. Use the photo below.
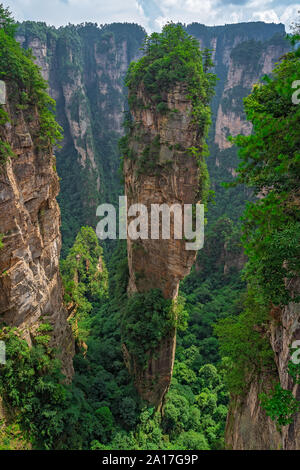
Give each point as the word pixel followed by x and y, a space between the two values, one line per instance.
pixel 280 405
pixel 85 279
pixel 102 410
pixel 243 342
pixel 270 165
pixel 8 24
pixel 196 408
pixel 210 295
pixel 31 384
pixel 147 319
pixel 293 367
pixel 247 53
pixel 11 437
pixel 5 152
pixel 170 58
pixel 204 180
pixel 26 88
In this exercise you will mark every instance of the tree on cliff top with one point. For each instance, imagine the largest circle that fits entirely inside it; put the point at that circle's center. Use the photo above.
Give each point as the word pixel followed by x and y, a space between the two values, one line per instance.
pixel 173 57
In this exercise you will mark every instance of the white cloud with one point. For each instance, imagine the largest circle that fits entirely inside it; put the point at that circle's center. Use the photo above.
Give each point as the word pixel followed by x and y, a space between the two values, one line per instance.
pixel 234 18
pixel 58 12
pixel 161 21
pixel 269 16
pixel 153 14
pixel 290 15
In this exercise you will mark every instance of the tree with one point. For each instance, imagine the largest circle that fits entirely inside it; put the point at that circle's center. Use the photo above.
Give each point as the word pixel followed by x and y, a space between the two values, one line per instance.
pixel 7 23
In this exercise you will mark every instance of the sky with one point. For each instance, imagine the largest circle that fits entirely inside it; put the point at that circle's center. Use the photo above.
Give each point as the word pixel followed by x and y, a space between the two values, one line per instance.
pixel 153 14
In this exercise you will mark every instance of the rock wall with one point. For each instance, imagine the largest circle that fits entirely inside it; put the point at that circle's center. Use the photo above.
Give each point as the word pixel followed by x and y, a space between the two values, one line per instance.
pixel 240 79
pixel 30 284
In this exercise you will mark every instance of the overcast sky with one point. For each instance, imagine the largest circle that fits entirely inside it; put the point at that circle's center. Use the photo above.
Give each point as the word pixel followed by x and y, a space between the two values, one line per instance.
pixel 152 14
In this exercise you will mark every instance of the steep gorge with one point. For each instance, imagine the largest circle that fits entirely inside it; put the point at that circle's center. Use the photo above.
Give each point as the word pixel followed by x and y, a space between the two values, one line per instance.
pixel 85 67
pixel 248 427
pixel 78 72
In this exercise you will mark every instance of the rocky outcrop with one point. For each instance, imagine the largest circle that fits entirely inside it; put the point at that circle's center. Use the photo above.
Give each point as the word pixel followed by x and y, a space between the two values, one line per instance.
pixel 30 284
pixel 164 138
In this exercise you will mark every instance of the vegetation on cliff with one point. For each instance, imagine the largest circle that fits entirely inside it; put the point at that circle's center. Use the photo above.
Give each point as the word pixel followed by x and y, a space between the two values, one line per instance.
pixel 270 166
pixel 172 58
pixel 25 86
pixel 86 65
pixel 170 89
pixel 101 409
pixel 85 280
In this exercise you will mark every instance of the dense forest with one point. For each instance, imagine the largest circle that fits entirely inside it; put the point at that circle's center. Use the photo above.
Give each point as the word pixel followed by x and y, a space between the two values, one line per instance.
pixel 251 251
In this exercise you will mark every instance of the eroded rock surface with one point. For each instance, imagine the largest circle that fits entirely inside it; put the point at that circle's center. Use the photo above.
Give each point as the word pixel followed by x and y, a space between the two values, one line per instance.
pixel 30 285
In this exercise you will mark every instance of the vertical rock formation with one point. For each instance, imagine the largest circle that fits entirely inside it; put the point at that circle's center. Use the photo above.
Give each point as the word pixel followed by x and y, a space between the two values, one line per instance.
pixel 166 139
pixel 30 284
pixel 160 168
pixel 161 263
pixel 243 52
pixel 248 62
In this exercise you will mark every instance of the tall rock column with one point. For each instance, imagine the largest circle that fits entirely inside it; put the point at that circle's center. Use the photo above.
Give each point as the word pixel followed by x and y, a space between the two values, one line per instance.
pixel 163 164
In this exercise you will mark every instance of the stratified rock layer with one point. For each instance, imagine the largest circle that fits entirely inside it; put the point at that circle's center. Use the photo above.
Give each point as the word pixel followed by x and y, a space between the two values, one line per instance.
pixel 30 284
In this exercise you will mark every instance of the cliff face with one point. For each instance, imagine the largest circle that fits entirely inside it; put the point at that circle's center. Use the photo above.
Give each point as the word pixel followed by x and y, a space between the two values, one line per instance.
pixel 248 62
pixel 30 283
pixel 243 53
pixel 248 427
pixel 175 180
pixel 85 67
